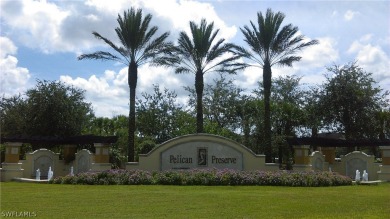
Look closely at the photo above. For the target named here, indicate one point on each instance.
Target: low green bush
(206, 177)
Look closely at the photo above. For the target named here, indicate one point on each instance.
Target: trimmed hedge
(211, 177)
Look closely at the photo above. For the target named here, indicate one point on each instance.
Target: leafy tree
(13, 115)
(145, 146)
(50, 109)
(271, 45)
(312, 111)
(383, 124)
(250, 117)
(158, 114)
(351, 101)
(288, 98)
(220, 103)
(101, 126)
(137, 47)
(288, 115)
(199, 54)
(117, 126)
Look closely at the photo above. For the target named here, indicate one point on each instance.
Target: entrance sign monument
(201, 154)
(196, 151)
(199, 151)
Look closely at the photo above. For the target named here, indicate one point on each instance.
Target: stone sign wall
(201, 154)
(83, 161)
(200, 151)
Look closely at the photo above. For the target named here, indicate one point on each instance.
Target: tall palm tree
(271, 45)
(199, 54)
(137, 47)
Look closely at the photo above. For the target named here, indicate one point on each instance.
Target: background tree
(271, 45)
(13, 115)
(383, 124)
(351, 101)
(117, 126)
(221, 100)
(137, 47)
(50, 109)
(221, 103)
(312, 111)
(251, 119)
(158, 115)
(199, 54)
(287, 98)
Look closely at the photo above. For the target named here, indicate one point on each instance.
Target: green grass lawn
(82, 201)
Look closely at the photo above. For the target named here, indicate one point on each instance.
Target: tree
(287, 113)
(157, 115)
(50, 109)
(383, 124)
(117, 126)
(199, 54)
(137, 47)
(221, 101)
(272, 45)
(351, 101)
(313, 111)
(13, 115)
(250, 117)
(288, 103)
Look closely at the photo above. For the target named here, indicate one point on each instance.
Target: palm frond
(154, 48)
(199, 53)
(112, 45)
(271, 42)
(181, 70)
(227, 65)
(287, 61)
(251, 39)
(100, 55)
(165, 61)
(217, 50)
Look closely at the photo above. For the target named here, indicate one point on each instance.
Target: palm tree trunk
(246, 130)
(132, 81)
(199, 102)
(267, 75)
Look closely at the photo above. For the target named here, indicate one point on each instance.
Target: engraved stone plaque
(201, 155)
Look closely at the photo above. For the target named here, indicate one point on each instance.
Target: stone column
(384, 169)
(11, 168)
(102, 157)
(329, 153)
(69, 152)
(301, 158)
(12, 152)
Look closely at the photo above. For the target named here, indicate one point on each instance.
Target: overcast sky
(42, 39)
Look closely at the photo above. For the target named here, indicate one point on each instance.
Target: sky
(41, 40)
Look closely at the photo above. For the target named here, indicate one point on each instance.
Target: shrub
(206, 177)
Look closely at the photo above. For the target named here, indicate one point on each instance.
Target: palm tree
(199, 55)
(137, 47)
(271, 45)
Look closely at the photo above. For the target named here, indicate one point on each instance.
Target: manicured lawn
(82, 201)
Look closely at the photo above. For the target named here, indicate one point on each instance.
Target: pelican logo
(202, 157)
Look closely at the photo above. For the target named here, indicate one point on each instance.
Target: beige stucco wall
(152, 160)
(43, 159)
(317, 161)
(59, 167)
(357, 160)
